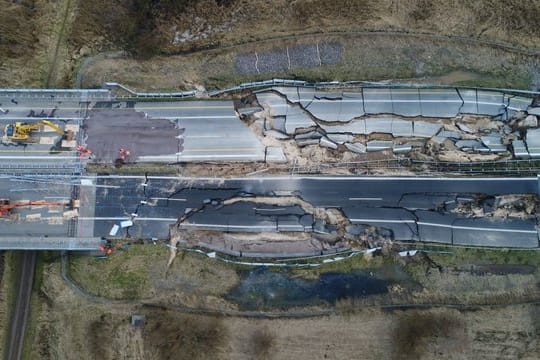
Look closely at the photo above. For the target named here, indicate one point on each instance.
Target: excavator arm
(52, 126)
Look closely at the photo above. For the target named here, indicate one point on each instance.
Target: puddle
(263, 289)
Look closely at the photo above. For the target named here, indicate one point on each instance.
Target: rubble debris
(531, 121)
(340, 138)
(466, 145)
(464, 128)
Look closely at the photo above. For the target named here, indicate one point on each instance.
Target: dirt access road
(14, 349)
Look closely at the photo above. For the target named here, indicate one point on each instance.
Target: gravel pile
(330, 53)
(273, 61)
(245, 64)
(304, 56)
(300, 56)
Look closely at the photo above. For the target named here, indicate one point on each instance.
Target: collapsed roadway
(306, 215)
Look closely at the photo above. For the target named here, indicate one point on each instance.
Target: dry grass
(262, 341)
(146, 28)
(417, 333)
(179, 337)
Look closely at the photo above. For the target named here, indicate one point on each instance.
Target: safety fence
(518, 167)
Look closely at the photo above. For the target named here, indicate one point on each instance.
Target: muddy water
(261, 288)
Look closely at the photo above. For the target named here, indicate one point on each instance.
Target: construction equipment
(6, 205)
(20, 132)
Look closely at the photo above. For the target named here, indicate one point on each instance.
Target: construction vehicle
(21, 132)
(6, 206)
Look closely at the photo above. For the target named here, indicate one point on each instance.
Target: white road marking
(169, 199)
(365, 199)
(384, 221)
(478, 228)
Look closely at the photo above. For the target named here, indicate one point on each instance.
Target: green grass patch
(465, 256)
(124, 275)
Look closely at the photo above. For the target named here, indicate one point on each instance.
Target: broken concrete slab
(379, 125)
(378, 145)
(425, 129)
(491, 140)
(354, 127)
(276, 104)
(465, 128)
(308, 135)
(469, 144)
(532, 140)
(307, 221)
(325, 142)
(275, 154)
(306, 142)
(297, 119)
(356, 147)
(278, 123)
(534, 111)
(276, 134)
(402, 149)
(355, 230)
(340, 138)
(520, 150)
(449, 134)
(402, 128)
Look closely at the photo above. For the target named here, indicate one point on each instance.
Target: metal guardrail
(367, 84)
(181, 94)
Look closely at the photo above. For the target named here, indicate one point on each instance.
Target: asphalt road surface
(409, 207)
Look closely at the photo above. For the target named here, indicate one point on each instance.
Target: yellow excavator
(20, 132)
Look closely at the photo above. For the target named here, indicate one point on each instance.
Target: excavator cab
(10, 130)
